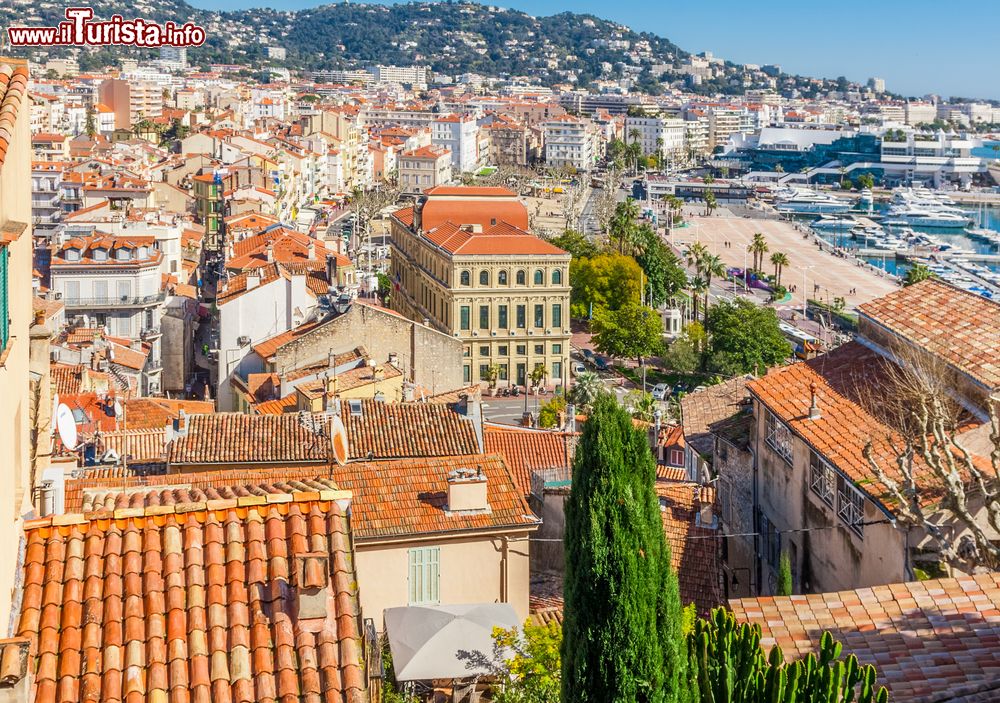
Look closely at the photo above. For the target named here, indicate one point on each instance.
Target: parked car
(601, 363)
(660, 391)
(588, 354)
(578, 368)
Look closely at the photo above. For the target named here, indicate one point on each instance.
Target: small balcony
(124, 301)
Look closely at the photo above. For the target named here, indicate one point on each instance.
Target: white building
(407, 75)
(459, 134)
(423, 168)
(278, 53)
(569, 143)
(663, 137)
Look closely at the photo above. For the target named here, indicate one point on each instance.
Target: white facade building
(663, 137)
(569, 143)
(459, 134)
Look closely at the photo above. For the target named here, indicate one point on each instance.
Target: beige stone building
(21, 408)
(424, 168)
(464, 261)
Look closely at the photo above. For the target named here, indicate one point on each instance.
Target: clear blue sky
(918, 46)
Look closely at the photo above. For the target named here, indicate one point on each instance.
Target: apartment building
(568, 143)
(47, 195)
(18, 407)
(464, 261)
(459, 134)
(424, 168)
(722, 123)
(508, 142)
(817, 498)
(663, 137)
(415, 76)
(131, 100)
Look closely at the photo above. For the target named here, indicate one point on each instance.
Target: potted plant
(538, 375)
(492, 374)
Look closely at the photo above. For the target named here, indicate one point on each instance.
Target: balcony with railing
(124, 301)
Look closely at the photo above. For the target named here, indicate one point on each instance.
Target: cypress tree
(622, 631)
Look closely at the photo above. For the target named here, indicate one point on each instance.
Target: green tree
(758, 247)
(525, 664)
(538, 374)
(587, 388)
(916, 274)
(865, 180)
(623, 635)
(576, 243)
(384, 287)
(682, 355)
(633, 331)
(665, 277)
(779, 260)
(604, 282)
(784, 575)
(744, 338)
(548, 414)
(640, 404)
(711, 267)
(710, 201)
(622, 228)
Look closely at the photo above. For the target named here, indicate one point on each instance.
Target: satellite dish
(118, 408)
(338, 438)
(66, 426)
(55, 411)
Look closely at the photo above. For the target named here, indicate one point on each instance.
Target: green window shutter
(424, 576)
(4, 298)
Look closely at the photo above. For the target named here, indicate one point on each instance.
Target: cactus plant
(728, 665)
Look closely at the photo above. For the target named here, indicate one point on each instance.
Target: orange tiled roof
(198, 602)
(930, 640)
(391, 430)
(390, 498)
(137, 446)
(527, 450)
(844, 427)
(960, 327)
(701, 410)
(155, 413)
(66, 379)
(694, 550)
(498, 240)
(13, 89)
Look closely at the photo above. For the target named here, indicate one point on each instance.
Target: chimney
(408, 392)
(467, 490)
(180, 424)
(570, 418)
(814, 413)
(331, 269)
(253, 280)
(16, 672)
(418, 215)
(311, 250)
(312, 584)
(706, 514)
(270, 252)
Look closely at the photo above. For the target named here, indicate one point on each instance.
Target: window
(557, 315)
(484, 372)
(466, 351)
(520, 317)
(100, 254)
(424, 576)
(779, 437)
(770, 541)
(557, 348)
(850, 505)
(101, 290)
(124, 290)
(503, 372)
(484, 350)
(463, 316)
(676, 457)
(539, 277)
(502, 350)
(521, 349)
(540, 349)
(465, 278)
(484, 317)
(502, 278)
(521, 278)
(4, 299)
(467, 374)
(539, 316)
(556, 369)
(822, 478)
(502, 317)
(484, 278)
(557, 277)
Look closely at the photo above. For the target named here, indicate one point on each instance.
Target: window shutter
(4, 299)
(424, 576)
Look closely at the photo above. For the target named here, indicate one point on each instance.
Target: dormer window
(72, 255)
(100, 254)
(143, 252)
(123, 255)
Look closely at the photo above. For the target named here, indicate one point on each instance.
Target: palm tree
(587, 389)
(710, 203)
(711, 266)
(698, 289)
(696, 254)
(758, 247)
(779, 260)
(634, 135)
(622, 226)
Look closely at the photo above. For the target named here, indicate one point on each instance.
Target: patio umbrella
(442, 641)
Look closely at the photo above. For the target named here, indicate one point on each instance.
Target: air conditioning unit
(58, 295)
(494, 333)
(475, 333)
(243, 341)
(531, 331)
(548, 331)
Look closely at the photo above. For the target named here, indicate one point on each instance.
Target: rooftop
(930, 641)
(195, 604)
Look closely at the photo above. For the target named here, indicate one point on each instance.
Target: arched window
(521, 278)
(465, 278)
(502, 278)
(484, 278)
(557, 277)
(539, 277)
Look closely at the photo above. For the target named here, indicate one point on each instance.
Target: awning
(444, 641)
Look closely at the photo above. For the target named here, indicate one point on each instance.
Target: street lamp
(804, 296)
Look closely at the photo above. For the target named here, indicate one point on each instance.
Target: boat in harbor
(835, 222)
(806, 201)
(926, 217)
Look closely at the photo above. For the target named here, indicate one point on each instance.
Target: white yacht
(835, 222)
(926, 217)
(808, 201)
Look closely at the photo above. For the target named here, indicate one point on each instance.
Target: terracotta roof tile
(705, 407)
(13, 92)
(959, 326)
(197, 604)
(695, 551)
(526, 450)
(930, 641)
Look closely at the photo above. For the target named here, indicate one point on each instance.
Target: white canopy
(442, 641)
